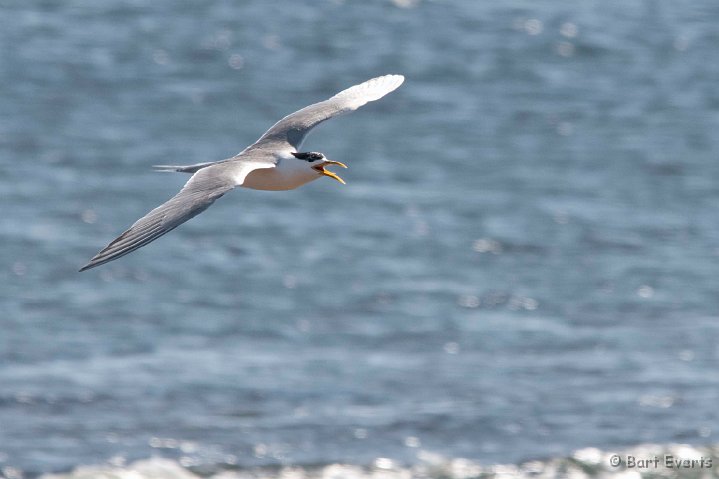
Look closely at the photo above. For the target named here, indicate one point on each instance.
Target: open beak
(321, 170)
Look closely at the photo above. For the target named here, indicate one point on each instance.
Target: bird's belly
(276, 179)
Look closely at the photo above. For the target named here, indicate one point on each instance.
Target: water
(522, 264)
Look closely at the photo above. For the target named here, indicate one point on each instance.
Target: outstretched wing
(196, 196)
(292, 129)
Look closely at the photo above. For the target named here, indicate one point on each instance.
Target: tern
(273, 162)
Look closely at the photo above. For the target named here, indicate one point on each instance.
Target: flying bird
(273, 162)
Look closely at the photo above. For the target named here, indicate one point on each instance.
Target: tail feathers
(182, 169)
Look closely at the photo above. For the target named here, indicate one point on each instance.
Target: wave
(643, 461)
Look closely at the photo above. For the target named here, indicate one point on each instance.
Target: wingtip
(86, 267)
(94, 262)
(395, 77)
(373, 89)
(391, 82)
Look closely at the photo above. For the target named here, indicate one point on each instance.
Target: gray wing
(292, 129)
(196, 196)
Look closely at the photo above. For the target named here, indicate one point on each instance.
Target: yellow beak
(321, 169)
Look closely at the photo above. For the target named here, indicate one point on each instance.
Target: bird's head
(318, 162)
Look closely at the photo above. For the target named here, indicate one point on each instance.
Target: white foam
(583, 464)
(155, 468)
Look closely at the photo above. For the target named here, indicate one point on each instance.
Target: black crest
(309, 156)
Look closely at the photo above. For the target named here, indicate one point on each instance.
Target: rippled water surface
(522, 263)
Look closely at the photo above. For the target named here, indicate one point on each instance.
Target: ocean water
(521, 265)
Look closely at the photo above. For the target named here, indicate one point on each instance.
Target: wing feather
(202, 189)
(293, 128)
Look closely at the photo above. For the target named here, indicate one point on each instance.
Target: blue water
(522, 263)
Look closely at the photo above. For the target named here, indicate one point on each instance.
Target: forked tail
(182, 169)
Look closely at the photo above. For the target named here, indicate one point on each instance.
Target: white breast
(289, 174)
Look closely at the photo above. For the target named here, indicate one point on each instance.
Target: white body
(289, 173)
